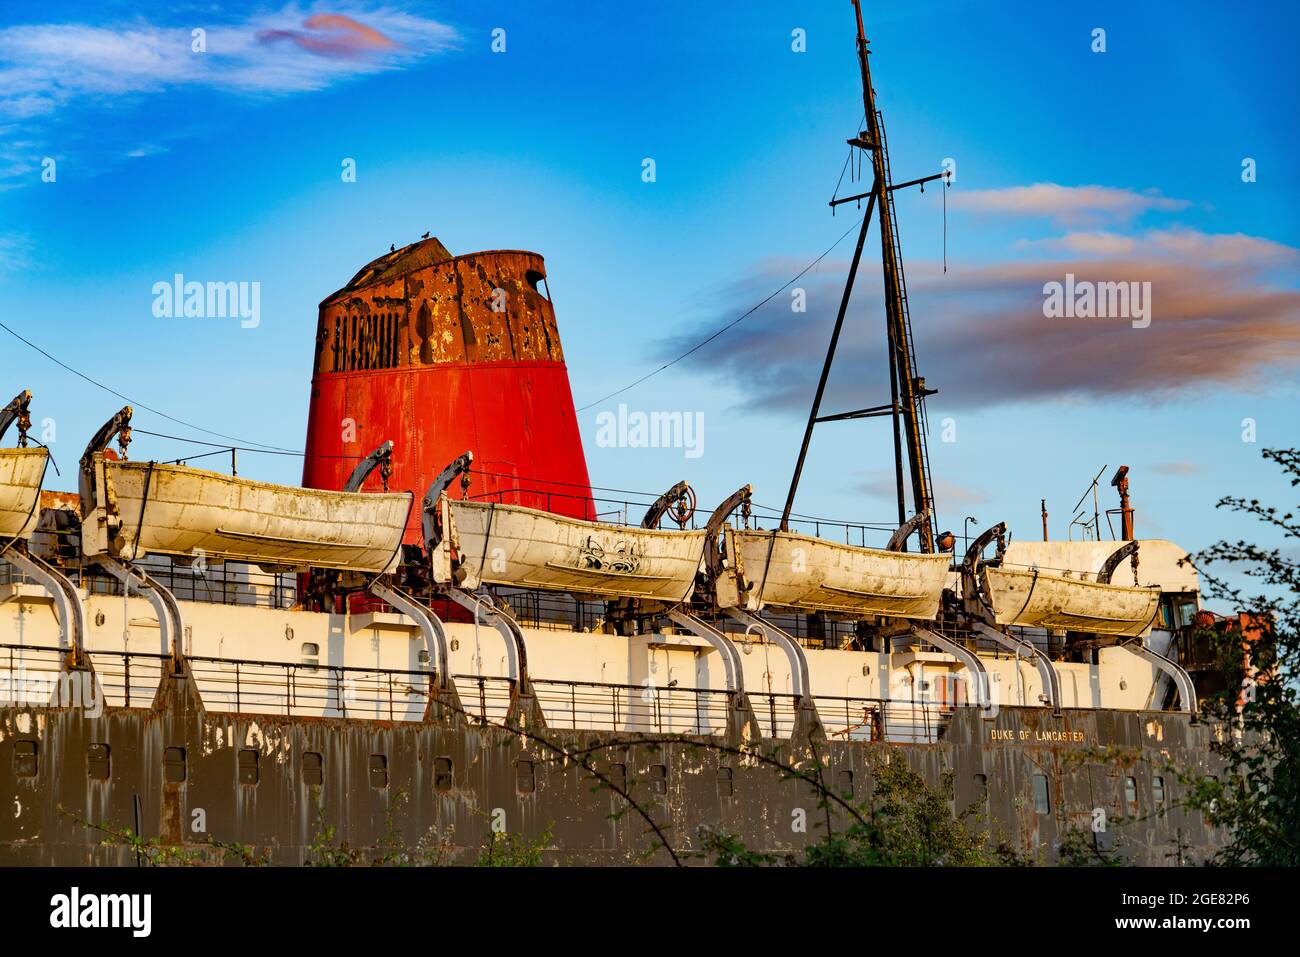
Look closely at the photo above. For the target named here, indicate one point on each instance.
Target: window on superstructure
(313, 769)
(174, 771)
(525, 777)
(98, 766)
(659, 779)
(25, 760)
(725, 782)
(1042, 796)
(442, 774)
(981, 788)
(845, 778)
(378, 771)
(1131, 795)
(248, 766)
(310, 654)
(1158, 791)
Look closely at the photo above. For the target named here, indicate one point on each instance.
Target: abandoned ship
(425, 633)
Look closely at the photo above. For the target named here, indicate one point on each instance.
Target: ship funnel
(440, 354)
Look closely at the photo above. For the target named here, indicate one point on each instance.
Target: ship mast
(907, 389)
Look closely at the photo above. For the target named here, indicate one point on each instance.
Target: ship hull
(251, 779)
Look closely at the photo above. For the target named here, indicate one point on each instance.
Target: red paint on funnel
(444, 355)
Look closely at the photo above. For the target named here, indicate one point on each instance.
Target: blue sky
(1123, 165)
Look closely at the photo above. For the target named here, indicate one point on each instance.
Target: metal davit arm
(430, 523)
(679, 500)
(17, 411)
(1046, 670)
(808, 722)
(712, 555)
(1182, 680)
(904, 531)
(67, 599)
(965, 656)
(167, 609)
(381, 458)
(741, 723)
(523, 706)
(1115, 559)
(718, 639)
(431, 627)
(976, 601)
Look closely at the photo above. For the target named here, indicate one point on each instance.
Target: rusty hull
(251, 779)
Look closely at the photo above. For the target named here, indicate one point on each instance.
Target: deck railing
(294, 689)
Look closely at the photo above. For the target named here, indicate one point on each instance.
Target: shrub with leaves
(1257, 798)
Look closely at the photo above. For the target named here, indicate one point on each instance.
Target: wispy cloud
(55, 75)
(1220, 317)
(1177, 469)
(15, 253)
(1175, 243)
(1066, 205)
(44, 67)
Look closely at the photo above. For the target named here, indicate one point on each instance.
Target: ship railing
(630, 511)
(590, 705)
(29, 674)
(298, 689)
(128, 679)
(294, 689)
(225, 583)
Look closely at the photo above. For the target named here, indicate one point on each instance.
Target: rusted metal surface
(441, 354)
(1038, 600)
(511, 545)
(798, 571)
(21, 473)
(276, 782)
(180, 510)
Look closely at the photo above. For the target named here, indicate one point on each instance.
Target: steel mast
(907, 389)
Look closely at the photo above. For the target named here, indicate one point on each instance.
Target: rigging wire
(848, 165)
(649, 496)
(735, 322)
(134, 402)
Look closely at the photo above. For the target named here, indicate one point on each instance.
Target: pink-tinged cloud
(334, 36)
(1065, 204)
(982, 337)
(1177, 243)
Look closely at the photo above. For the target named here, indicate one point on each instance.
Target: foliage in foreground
(904, 823)
(1257, 798)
